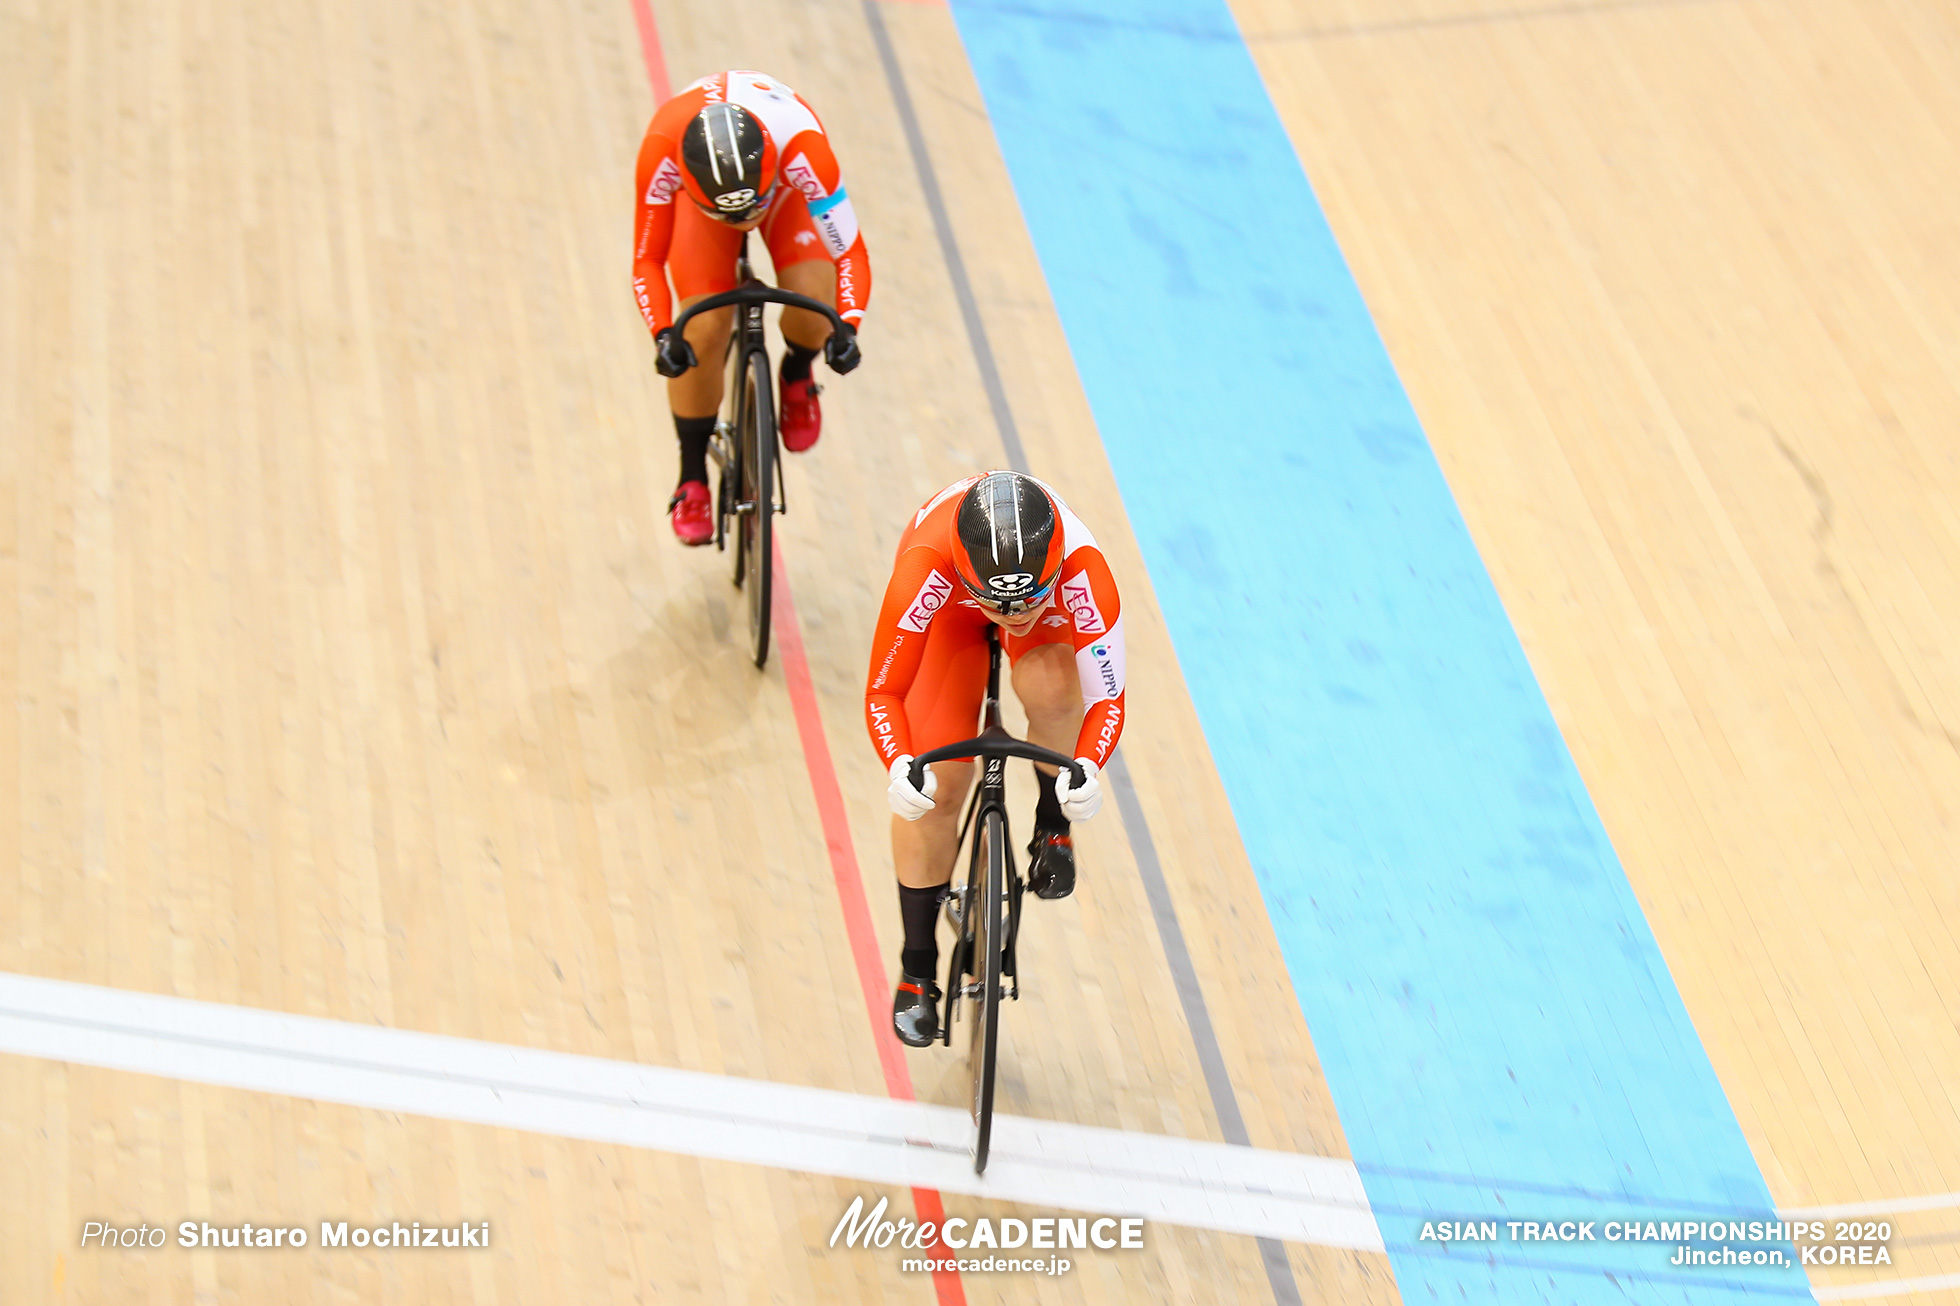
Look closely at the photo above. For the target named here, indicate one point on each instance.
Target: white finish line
(1307, 1199)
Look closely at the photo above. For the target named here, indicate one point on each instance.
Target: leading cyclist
(728, 142)
(999, 548)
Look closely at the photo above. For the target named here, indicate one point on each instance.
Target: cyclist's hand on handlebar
(1084, 800)
(672, 354)
(841, 351)
(907, 801)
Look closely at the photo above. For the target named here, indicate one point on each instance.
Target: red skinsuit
(809, 215)
(929, 660)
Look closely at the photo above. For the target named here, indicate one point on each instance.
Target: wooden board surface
(1671, 286)
(359, 677)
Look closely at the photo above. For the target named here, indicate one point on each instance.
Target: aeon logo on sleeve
(801, 174)
(666, 181)
(931, 597)
(1080, 600)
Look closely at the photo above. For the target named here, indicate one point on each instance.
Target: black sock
(1048, 808)
(796, 361)
(694, 433)
(919, 909)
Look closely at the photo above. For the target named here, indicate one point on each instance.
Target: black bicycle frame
(993, 746)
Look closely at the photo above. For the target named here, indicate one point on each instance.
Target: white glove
(906, 801)
(1083, 801)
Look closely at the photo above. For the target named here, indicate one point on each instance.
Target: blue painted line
(1496, 1023)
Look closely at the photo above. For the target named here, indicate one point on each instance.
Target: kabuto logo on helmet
(1010, 583)
(735, 201)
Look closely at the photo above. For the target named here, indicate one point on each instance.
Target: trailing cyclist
(999, 548)
(729, 143)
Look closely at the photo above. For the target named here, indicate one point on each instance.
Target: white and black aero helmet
(728, 162)
(1007, 545)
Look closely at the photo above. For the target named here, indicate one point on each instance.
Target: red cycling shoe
(801, 421)
(692, 513)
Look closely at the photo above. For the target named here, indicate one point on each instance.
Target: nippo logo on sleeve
(833, 216)
(1100, 667)
(1080, 600)
(931, 597)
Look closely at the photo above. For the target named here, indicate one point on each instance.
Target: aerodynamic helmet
(728, 162)
(1007, 542)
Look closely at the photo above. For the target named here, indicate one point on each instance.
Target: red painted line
(650, 49)
(837, 833)
(830, 798)
(850, 886)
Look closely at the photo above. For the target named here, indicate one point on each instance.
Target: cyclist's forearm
(891, 734)
(1102, 726)
(655, 234)
(650, 292)
(854, 284)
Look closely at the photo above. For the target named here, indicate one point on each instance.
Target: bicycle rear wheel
(758, 520)
(986, 967)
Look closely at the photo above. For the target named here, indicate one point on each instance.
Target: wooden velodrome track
(357, 677)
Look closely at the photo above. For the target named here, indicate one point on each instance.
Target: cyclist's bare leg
(923, 850)
(1050, 692)
(815, 279)
(697, 391)
(1046, 683)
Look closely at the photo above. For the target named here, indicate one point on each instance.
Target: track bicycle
(748, 491)
(986, 910)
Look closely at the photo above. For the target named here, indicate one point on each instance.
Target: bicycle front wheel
(986, 973)
(758, 437)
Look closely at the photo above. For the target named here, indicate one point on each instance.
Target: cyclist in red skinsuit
(999, 548)
(733, 152)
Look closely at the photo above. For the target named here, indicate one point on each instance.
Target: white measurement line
(1042, 1163)
(1890, 1288)
(1884, 1206)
